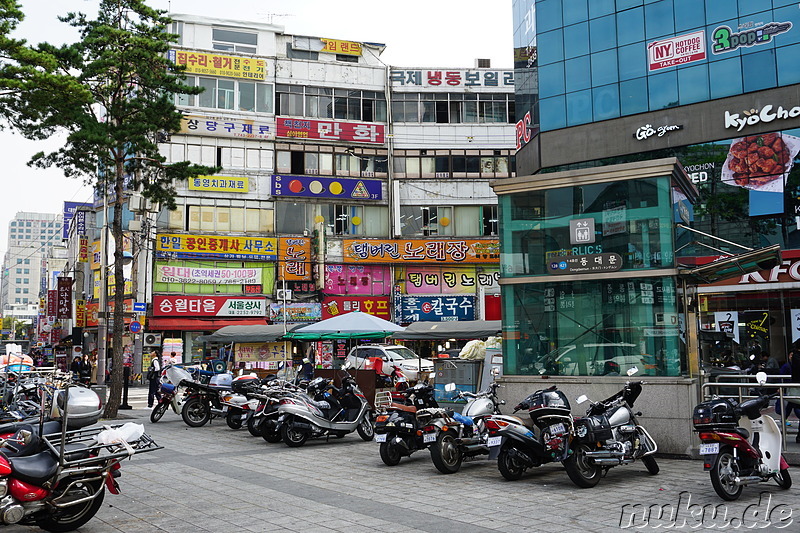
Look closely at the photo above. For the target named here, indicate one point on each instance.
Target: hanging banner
(295, 312)
(251, 352)
(421, 251)
(219, 65)
(64, 309)
(208, 276)
(294, 258)
(52, 303)
(70, 209)
(728, 322)
(80, 313)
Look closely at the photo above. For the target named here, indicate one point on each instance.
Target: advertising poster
(219, 65)
(295, 312)
(209, 126)
(728, 322)
(207, 306)
(208, 276)
(372, 305)
(364, 280)
(255, 352)
(795, 325)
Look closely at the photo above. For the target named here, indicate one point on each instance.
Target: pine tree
(112, 94)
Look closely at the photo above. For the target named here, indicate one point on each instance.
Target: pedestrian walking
(153, 379)
(93, 362)
(791, 367)
(75, 368)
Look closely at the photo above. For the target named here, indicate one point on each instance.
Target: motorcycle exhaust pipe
(607, 461)
(605, 455)
(746, 479)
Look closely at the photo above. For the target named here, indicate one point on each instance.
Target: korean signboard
(329, 130)
(219, 184)
(319, 187)
(422, 251)
(295, 312)
(207, 306)
(372, 305)
(226, 127)
(52, 302)
(435, 308)
(436, 280)
(199, 246)
(80, 313)
(252, 352)
(294, 258)
(248, 68)
(448, 79)
(334, 46)
(70, 209)
(365, 280)
(675, 51)
(208, 276)
(585, 264)
(64, 309)
(83, 249)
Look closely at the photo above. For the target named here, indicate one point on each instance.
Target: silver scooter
(325, 410)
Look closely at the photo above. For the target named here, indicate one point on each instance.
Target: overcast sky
(417, 33)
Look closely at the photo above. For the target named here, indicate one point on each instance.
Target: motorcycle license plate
(429, 437)
(557, 429)
(709, 449)
(380, 438)
(494, 441)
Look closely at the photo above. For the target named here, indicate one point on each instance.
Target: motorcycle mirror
(495, 371)
(582, 398)
(632, 370)
(761, 377)
(450, 387)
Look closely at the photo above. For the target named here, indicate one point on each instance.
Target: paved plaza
(219, 480)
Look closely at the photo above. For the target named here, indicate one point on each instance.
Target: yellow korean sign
(256, 351)
(334, 46)
(220, 65)
(181, 246)
(219, 184)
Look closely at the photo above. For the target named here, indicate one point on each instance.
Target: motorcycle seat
(401, 407)
(467, 421)
(34, 469)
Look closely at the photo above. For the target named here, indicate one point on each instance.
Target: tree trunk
(115, 389)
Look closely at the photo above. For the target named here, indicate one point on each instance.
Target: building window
(425, 220)
(453, 108)
(292, 217)
(18, 280)
(324, 102)
(228, 94)
(27, 261)
(18, 290)
(19, 271)
(293, 53)
(234, 41)
(221, 218)
(345, 219)
(490, 220)
(25, 290)
(346, 58)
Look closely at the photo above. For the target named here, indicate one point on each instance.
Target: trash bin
(100, 390)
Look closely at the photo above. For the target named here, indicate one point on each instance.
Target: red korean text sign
(64, 302)
(329, 130)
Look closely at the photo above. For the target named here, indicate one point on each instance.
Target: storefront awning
(735, 265)
(467, 329)
(259, 333)
(198, 324)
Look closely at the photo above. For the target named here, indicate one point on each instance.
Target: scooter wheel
(723, 472)
(293, 437)
(783, 479)
(158, 411)
(651, 464)
(196, 413)
(390, 453)
(254, 426)
(445, 454)
(508, 466)
(365, 429)
(582, 470)
(234, 418)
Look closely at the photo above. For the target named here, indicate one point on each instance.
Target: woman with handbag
(154, 380)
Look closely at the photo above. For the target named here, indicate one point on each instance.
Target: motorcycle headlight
(581, 431)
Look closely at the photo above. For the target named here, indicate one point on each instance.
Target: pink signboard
(438, 280)
(372, 305)
(330, 130)
(198, 305)
(367, 280)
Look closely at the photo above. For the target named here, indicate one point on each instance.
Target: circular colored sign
(135, 327)
(427, 307)
(315, 187)
(296, 186)
(336, 188)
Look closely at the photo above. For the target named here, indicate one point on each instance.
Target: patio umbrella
(355, 325)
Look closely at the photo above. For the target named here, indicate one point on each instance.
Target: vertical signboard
(64, 309)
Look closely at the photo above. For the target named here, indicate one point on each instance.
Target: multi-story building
(712, 85)
(345, 184)
(30, 235)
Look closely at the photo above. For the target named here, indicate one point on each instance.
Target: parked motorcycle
(172, 393)
(62, 490)
(325, 410)
(264, 421)
(517, 447)
(464, 435)
(202, 402)
(736, 455)
(610, 435)
(238, 406)
(397, 428)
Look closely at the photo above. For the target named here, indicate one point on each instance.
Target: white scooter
(172, 394)
(737, 455)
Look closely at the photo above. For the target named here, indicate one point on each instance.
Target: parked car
(600, 359)
(359, 357)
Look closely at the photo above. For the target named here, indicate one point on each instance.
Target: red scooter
(736, 455)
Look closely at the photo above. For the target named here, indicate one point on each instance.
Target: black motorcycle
(397, 427)
(517, 447)
(201, 403)
(610, 435)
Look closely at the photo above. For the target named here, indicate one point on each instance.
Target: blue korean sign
(435, 308)
(319, 187)
(70, 208)
(140, 307)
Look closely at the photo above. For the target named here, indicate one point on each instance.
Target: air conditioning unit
(283, 294)
(152, 339)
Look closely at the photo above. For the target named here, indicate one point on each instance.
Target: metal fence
(746, 382)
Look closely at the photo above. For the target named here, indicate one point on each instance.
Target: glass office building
(714, 84)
